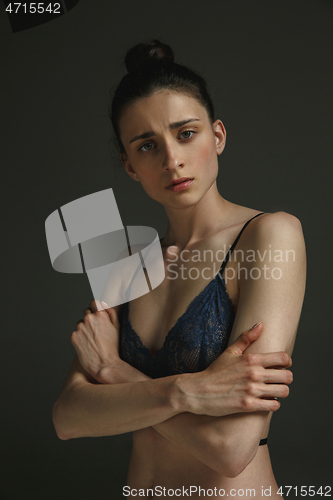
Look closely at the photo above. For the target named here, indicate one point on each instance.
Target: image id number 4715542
(34, 8)
(305, 491)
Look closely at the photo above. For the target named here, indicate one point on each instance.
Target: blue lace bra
(198, 337)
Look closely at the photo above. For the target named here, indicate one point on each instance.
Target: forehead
(157, 111)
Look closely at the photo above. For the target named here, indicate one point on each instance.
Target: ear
(128, 167)
(220, 136)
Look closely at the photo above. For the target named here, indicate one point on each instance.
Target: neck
(191, 224)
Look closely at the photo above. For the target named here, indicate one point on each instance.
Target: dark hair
(151, 67)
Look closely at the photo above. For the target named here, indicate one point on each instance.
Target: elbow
(233, 468)
(60, 422)
(226, 458)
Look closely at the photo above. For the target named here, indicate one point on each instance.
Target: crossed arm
(223, 409)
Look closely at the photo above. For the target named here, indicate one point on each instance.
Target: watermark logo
(189, 264)
(27, 15)
(88, 236)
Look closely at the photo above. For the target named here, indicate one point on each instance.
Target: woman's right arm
(86, 408)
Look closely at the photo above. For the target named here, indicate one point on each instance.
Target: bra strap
(227, 257)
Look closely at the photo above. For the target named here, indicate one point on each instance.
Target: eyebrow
(172, 126)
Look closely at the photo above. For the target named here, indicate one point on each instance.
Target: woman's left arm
(272, 289)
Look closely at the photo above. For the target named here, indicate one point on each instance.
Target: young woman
(161, 366)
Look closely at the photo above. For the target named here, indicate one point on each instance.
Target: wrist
(182, 394)
(111, 373)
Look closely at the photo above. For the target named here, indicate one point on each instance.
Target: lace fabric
(199, 336)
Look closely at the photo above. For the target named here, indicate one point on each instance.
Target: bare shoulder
(280, 219)
(274, 228)
(273, 246)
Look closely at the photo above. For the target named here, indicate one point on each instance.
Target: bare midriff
(156, 463)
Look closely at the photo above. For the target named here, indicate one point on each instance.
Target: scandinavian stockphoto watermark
(249, 264)
(123, 263)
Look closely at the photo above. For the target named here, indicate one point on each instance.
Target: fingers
(93, 306)
(245, 339)
(97, 306)
(277, 377)
(269, 405)
(263, 397)
(86, 311)
(259, 374)
(112, 314)
(250, 404)
(275, 391)
(101, 306)
(114, 317)
(262, 390)
(269, 359)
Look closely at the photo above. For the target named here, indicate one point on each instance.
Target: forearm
(86, 409)
(226, 444)
(199, 435)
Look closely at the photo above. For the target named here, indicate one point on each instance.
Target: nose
(173, 157)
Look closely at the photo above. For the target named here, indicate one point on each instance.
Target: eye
(187, 134)
(147, 146)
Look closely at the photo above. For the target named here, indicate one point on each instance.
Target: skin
(204, 428)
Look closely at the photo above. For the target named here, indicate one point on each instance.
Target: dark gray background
(269, 68)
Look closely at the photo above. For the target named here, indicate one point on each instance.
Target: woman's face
(168, 136)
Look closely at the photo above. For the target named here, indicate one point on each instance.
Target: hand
(96, 340)
(241, 382)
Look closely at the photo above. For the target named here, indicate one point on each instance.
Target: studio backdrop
(268, 65)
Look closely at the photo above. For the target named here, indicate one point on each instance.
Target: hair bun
(146, 53)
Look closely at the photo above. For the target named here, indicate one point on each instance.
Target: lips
(178, 181)
(181, 185)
